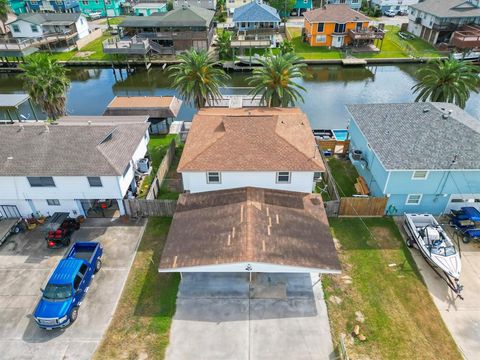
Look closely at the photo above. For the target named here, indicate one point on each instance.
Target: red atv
(60, 230)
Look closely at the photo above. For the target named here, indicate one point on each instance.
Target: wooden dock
(354, 62)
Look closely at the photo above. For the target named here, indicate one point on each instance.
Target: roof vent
(447, 115)
(89, 122)
(10, 158)
(426, 110)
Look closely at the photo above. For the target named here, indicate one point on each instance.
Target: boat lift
(452, 283)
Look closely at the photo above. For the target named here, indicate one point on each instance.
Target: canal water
(329, 88)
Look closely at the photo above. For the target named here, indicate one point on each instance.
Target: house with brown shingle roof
(338, 25)
(271, 148)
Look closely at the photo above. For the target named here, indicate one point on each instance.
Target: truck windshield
(57, 292)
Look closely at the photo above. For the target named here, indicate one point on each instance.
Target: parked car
(402, 12)
(390, 13)
(95, 15)
(60, 228)
(66, 288)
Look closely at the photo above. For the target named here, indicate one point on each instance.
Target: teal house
(113, 7)
(301, 6)
(147, 9)
(424, 157)
(18, 6)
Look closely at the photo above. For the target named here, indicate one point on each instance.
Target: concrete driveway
(25, 265)
(277, 316)
(462, 317)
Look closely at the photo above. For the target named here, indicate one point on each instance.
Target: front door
(337, 41)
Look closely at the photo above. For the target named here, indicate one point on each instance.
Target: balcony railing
(132, 46)
(466, 39)
(366, 34)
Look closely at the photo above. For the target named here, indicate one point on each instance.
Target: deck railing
(366, 34)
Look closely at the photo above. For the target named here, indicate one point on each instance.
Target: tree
(286, 46)
(4, 11)
(197, 77)
(169, 5)
(224, 40)
(284, 7)
(448, 80)
(46, 82)
(275, 80)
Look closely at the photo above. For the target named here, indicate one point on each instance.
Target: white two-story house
(69, 167)
(67, 27)
(271, 148)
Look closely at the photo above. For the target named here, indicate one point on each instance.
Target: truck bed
(6, 225)
(82, 250)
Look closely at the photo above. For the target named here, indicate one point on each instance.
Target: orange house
(330, 25)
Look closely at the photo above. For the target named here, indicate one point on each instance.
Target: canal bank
(328, 89)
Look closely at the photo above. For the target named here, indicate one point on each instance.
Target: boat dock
(354, 62)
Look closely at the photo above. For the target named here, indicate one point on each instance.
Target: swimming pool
(340, 134)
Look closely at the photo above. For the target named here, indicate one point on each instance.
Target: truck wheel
(16, 229)
(409, 243)
(74, 314)
(98, 265)
(466, 239)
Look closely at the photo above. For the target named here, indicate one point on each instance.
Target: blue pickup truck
(68, 285)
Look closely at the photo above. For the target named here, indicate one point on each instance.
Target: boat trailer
(452, 283)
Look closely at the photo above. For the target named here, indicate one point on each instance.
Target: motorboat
(436, 246)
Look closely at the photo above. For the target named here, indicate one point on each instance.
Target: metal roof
(12, 100)
(49, 18)
(420, 136)
(448, 8)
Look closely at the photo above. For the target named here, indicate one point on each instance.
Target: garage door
(458, 201)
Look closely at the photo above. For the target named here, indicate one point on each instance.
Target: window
(317, 175)
(95, 181)
(354, 1)
(339, 28)
(283, 177)
(321, 38)
(15, 28)
(413, 199)
(34, 28)
(97, 1)
(77, 281)
(320, 27)
(419, 175)
(41, 181)
(213, 177)
(85, 2)
(53, 202)
(83, 269)
(59, 2)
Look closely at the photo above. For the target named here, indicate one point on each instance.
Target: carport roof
(285, 230)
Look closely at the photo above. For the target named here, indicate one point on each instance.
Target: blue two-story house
(425, 157)
(68, 6)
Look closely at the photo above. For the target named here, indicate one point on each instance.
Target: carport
(250, 230)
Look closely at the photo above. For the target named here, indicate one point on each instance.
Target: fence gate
(9, 211)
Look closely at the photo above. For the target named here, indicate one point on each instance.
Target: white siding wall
(139, 153)
(15, 190)
(26, 30)
(82, 27)
(197, 181)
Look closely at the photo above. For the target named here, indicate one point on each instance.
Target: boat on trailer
(425, 233)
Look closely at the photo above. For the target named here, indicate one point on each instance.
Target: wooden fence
(142, 208)
(162, 172)
(339, 147)
(362, 206)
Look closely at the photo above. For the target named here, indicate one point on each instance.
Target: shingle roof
(250, 225)
(102, 120)
(417, 136)
(252, 139)
(336, 13)
(256, 12)
(49, 18)
(448, 8)
(68, 150)
(181, 17)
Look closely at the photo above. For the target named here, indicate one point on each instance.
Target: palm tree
(447, 81)
(224, 40)
(46, 82)
(275, 80)
(197, 77)
(4, 11)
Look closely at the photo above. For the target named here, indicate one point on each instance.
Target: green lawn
(157, 147)
(113, 20)
(95, 46)
(308, 52)
(381, 283)
(140, 327)
(345, 175)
